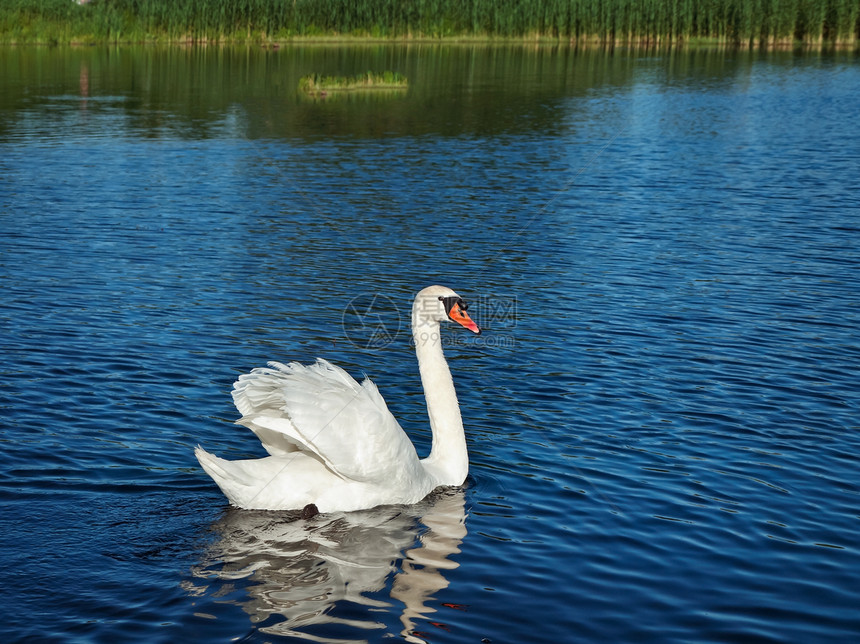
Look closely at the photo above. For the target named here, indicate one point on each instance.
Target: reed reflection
(301, 573)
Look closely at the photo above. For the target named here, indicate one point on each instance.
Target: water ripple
(661, 414)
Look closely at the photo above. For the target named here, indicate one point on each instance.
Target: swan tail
(270, 483)
(219, 469)
(238, 485)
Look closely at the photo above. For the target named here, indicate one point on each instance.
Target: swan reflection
(306, 570)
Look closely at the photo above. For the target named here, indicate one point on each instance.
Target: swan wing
(321, 410)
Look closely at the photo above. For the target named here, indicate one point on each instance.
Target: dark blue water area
(662, 414)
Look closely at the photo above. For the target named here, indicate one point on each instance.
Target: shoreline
(463, 40)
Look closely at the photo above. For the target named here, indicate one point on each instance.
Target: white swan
(333, 442)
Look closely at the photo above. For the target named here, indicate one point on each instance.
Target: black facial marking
(451, 301)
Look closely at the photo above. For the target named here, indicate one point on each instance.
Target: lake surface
(663, 412)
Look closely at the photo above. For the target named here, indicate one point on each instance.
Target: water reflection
(253, 93)
(305, 571)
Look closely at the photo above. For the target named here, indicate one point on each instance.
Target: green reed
(616, 21)
(316, 84)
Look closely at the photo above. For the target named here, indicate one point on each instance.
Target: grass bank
(734, 22)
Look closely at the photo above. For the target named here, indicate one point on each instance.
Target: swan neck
(448, 461)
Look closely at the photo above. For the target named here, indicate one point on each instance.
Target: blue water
(662, 414)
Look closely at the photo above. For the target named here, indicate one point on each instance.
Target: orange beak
(462, 318)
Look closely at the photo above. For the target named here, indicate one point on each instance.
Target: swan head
(436, 304)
